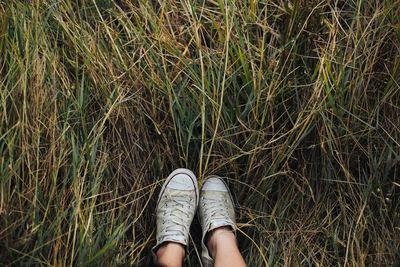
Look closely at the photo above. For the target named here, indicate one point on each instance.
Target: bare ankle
(170, 254)
(220, 237)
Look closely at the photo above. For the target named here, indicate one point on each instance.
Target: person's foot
(176, 206)
(216, 211)
(223, 248)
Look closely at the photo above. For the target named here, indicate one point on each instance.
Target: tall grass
(296, 103)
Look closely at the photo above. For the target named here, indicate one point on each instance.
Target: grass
(296, 103)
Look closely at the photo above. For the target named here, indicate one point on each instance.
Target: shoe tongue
(214, 184)
(181, 182)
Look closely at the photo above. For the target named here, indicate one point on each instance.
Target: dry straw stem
(296, 103)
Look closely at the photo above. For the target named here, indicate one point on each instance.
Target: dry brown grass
(296, 103)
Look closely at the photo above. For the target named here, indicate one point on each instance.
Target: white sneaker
(176, 206)
(215, 210)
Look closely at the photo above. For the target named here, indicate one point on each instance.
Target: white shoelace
(216, 209)
(176, 215)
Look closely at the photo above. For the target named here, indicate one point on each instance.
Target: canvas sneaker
(176, 206)
(215, 210)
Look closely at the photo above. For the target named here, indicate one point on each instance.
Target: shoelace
(215, 208)
(176, 215)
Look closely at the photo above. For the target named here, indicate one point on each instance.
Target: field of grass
(296, 103)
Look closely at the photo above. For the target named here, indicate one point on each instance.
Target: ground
(296, 103)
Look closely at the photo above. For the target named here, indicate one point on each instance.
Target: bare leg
(171, 254)
(223, 248)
